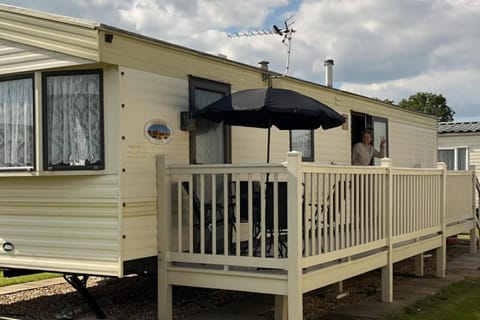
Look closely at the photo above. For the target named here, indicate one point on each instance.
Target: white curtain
(74, 114)
(302, 141)
(16, 123)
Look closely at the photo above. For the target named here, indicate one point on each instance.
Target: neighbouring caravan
(459, 145)
(86, 107)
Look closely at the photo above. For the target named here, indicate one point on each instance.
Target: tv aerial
(286, 33)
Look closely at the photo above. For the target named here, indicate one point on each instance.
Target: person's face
(367, 138)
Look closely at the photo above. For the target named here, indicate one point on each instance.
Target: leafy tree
(429, 103)
(386, 100)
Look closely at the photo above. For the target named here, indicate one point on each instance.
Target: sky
(381, 48)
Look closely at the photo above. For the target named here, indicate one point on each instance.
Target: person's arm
(381, 153)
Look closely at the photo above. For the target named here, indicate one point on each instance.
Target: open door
(378, 125)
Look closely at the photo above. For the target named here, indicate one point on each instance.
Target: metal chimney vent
(328, 72)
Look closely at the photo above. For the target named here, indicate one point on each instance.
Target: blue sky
(382, 48)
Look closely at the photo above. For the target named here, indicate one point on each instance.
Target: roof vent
(328, 72)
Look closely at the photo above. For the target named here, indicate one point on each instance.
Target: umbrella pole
(268, 151)
(268, 145)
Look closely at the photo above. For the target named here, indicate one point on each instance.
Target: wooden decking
(341, 222)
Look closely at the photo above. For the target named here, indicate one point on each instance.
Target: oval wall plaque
(158, 131)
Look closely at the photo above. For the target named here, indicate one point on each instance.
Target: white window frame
(455, 155)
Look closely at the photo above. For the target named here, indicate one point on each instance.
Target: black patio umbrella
(267, 107)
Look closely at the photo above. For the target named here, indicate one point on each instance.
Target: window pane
(209, 134)
(74, 136)
(302, 141)
(16, 124)
(462, 159)
(379, 132)
(447, 156)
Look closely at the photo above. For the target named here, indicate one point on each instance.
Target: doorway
(209, 143)
(378, 125)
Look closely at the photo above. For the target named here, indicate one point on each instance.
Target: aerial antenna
(286, 33)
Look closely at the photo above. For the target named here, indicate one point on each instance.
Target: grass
(457, 301)
(27, 278)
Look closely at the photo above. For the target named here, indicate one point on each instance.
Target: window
(73, 120)
(210, 142)
(455, 158)
(302, 141)
(16, 124)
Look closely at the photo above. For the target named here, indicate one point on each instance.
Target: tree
(429, 103)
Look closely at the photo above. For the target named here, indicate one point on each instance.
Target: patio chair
(256, 218)
(282, 206)
(242, 200)
(209, 219)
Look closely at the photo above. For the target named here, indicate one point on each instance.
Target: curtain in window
(447, 156)
(16, 123)
(209, 135)
(462, 159)
(73, 117)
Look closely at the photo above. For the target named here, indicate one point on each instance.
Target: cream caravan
(87, 107)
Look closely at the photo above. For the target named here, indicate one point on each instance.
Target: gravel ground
(135, 298)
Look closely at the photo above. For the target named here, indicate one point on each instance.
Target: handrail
(341, 207)
(477, 213)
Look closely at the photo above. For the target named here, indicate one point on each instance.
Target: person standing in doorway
(363, 152)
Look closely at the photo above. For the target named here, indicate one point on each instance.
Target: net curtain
(74, 131)
(16, 123)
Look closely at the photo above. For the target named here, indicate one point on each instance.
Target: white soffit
(16, 57)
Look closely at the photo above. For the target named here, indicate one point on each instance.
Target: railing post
(473, 231)
(441, 253)
(295, 293)
(165, 311)
(387, 271)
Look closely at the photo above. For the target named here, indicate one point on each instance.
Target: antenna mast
(286, 33)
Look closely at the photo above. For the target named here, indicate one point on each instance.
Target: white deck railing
(234, 217)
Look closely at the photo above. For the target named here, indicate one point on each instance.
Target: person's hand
(382, 142)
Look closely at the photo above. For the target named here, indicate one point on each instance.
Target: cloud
(381, 48)
(446, 83)
(384, 40)
(184, 18)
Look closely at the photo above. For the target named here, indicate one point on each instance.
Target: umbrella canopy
(266, 107)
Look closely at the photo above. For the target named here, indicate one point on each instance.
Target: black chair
(242, 201)
(209, 218)
(269, 214)
(282, 207)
